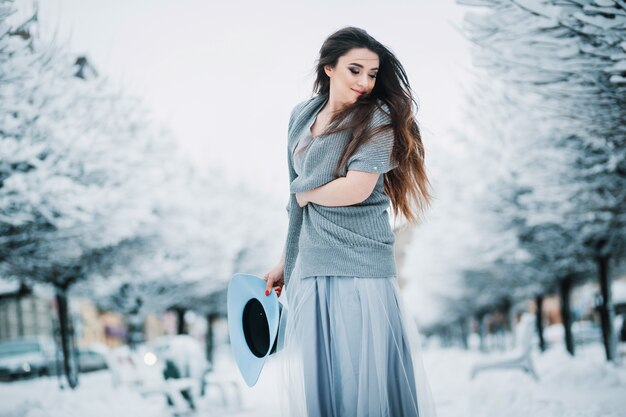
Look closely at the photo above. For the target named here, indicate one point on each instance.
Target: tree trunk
(180, 320)
(448, 336)
(20, 316)
(539, 322)
(135, 330)
(481, 332)
(509, 314)
(70, 367)
(210, 342)
(464, 333)
(607, 312)
(566, 314)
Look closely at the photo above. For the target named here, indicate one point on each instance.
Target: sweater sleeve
(292, 119)
(375, 154)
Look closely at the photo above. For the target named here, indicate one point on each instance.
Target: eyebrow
(359, 65)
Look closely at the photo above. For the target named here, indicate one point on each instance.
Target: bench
(212, 379)
(179, 388)
(520, 357)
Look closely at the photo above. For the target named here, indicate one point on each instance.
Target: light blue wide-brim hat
(253, 323)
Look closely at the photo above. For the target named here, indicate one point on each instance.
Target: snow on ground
(584, 385)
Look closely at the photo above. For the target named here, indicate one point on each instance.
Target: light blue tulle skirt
(350, 350)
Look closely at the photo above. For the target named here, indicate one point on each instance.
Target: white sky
(224, 76)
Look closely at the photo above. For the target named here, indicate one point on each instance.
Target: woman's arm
(276, 276)
(354, 188)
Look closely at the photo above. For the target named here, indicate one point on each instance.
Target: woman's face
(354, 75)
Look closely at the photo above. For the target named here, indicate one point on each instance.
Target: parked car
(91, 359)
(583, 332)
(27, 357)
(586, 332)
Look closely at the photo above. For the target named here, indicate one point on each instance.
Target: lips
(359, 93)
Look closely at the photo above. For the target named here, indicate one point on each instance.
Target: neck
(333, 105)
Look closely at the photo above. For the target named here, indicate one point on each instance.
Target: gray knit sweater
(354, 240)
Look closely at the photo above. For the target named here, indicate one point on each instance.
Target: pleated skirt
(350, 350)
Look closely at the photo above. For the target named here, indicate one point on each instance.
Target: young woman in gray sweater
(354, 148)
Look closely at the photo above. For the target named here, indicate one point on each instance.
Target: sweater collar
(306, 115)
(314, 106)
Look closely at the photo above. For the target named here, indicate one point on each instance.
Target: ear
(328, 70)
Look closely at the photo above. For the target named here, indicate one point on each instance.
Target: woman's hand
(301, 199)
(275, 279)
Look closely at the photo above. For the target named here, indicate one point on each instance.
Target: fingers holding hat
(274, 280)
(270, 283)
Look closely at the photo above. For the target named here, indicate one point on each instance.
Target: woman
(353, 148)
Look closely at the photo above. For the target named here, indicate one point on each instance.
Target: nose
(363, 81)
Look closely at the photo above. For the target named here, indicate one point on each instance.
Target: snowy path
(581, 386)
(584, 386)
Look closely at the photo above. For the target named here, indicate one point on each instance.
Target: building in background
(24, 310)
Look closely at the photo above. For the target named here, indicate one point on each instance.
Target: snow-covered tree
(208, 229)
(79, 166)
(571, 54)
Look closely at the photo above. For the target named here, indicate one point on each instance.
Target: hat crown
(255, 328)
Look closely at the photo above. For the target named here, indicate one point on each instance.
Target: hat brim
(241, 289)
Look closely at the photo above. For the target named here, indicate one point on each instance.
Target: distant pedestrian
(171, 371)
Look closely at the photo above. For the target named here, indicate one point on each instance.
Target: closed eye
(355, 72)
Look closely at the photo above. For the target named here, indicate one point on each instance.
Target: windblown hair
(407, 185)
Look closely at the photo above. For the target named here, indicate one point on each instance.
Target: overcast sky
(224, 76)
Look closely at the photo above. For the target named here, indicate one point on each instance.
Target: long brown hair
(407, 185)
